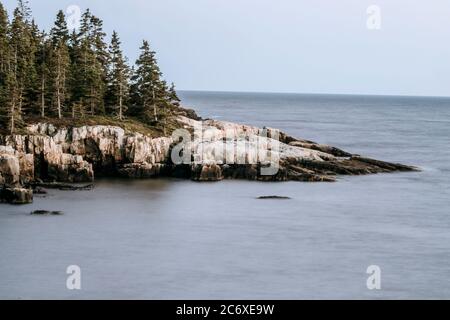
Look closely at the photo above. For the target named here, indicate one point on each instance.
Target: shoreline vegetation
(71, 108)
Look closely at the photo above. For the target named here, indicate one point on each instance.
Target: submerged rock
(273, 197)
(39, 190)
(45, 212)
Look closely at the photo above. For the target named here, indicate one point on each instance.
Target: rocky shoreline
(49, 154)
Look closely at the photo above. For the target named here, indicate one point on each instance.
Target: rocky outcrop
(44, 157)
(74, 154)
(236, 150)
(15, 169)
(218, 150)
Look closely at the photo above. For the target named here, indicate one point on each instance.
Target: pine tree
(173, 96)
(149, 89)
(4, 66)
(24, 7)
(92, 61)
(118, 78)
(32, 86)
(14, 74)
(81, 57)
(76, 80)
(38, 71)
(59, 32)
(99, 45)
(60, 62)
(100, 68)
(43, 66)
(4, 52)
(12, 115)
(20, 64)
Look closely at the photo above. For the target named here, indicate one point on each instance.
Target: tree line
(74, 74)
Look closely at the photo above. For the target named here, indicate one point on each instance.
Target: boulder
(141, 170)
(206, 172)
(16, 195)
(46, 213)
(9, 170)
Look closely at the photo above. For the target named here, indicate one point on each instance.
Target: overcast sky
(306, 46)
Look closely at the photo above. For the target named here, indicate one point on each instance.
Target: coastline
(70, 154)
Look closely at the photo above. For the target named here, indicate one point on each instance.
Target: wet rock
(9, 170)
(62, 186)
(16, 195)
(70, 168)
(206, 172)
(39, 190)
(46, 213)
(273, 197)
(141, 170)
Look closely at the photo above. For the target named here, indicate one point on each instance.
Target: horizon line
(317, 93)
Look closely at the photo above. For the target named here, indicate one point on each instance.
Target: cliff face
(218, 150)
(16, 169)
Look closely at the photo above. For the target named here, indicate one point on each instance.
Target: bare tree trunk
(43, 97)
(19, 108)
(92, 101)
(12, 111)
(120, 103)
(154, 106)
(58, 97)
(63, 85)
(58, 86)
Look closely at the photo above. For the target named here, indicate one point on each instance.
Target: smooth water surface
(175, 239)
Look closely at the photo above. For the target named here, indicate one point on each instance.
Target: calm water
(180, 239)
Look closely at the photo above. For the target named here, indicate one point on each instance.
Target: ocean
(176, 239)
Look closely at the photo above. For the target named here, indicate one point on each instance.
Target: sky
(398, 47)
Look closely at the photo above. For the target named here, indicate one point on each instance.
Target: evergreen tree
(4, 66)
(4, 52)
(92, 61)
(76, 81)
(45, 73)
(99, 45)
(43, 66)
(24, 7)
(173, 96)
(118, 78)
(99, 70)
(149, 89)
(20, 64)
(32, 86)
(60, 63)
(59, 32)
(81, 56)
(12, 113)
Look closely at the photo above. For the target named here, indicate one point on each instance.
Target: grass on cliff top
(164, 127)
(129, 124)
